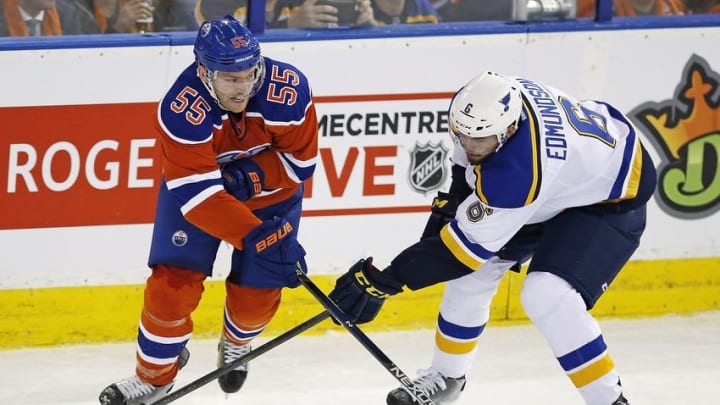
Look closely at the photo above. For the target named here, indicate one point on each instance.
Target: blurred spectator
(79, 17)
(59, 17)
(120, 16)
(474, 10)
(632, 8)
(175, 15)
(102, 16)
(23, 18)
(276, 11)
(404, 12)
(327, 14)
(703, 6)
(284, 13)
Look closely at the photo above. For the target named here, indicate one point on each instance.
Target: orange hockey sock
(247, 311)
(171, 295)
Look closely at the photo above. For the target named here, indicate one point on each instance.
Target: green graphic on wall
(686, 133)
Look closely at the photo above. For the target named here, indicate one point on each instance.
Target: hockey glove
(361, 292)
(271, 251)
(443, 210)
(242, 178)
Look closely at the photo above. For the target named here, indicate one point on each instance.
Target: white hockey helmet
(486, 106)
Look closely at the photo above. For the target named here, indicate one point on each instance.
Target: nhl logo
(427, 167)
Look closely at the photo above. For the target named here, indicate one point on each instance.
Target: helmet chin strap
(503, 137)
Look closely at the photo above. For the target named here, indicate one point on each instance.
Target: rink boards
(81, 164)
(52, 316)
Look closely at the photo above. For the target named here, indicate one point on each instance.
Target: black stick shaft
(364, 340)
(215, 374)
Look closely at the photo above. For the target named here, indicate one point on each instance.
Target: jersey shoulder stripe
(627, 182)
(188, 113)
(285, 96)
(297, 170)
(511, 178)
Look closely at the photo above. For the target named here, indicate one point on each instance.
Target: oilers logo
(205, 29)
(179, 238)
(229, 156)
(427, 167)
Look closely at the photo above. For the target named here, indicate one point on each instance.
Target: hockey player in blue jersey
(238, 132)
(536, 174)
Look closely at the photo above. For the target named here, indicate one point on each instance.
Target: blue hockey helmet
(226, 45)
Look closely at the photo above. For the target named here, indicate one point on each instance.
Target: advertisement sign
(80, 158)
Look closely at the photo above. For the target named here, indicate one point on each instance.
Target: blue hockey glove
(271, 251)
(242, 178)
(443, 210)
(361, 292)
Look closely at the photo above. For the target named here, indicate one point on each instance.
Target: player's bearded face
(477, 149)
(233, 89)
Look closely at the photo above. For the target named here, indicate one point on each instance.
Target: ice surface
(662, 361)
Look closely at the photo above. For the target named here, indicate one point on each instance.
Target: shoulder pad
(188, 113)
(512, 177)
(284, 96)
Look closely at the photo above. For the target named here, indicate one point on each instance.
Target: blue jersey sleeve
(188, 113)
(284, 97)
(511, 178)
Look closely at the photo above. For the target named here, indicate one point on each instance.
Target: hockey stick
(266, 347)
(361, 337)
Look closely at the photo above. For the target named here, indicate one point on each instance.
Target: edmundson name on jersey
(552, 119)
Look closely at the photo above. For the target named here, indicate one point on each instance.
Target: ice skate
(621, 401)
(442, 390)
(227, 353)
(134, 391)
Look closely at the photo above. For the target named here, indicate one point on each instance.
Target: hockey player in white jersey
(536, 174)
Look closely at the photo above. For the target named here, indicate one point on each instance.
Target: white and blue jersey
(566, 153)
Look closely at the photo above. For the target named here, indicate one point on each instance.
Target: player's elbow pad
(426, 263)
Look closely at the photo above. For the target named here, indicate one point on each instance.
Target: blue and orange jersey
(277, 130)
